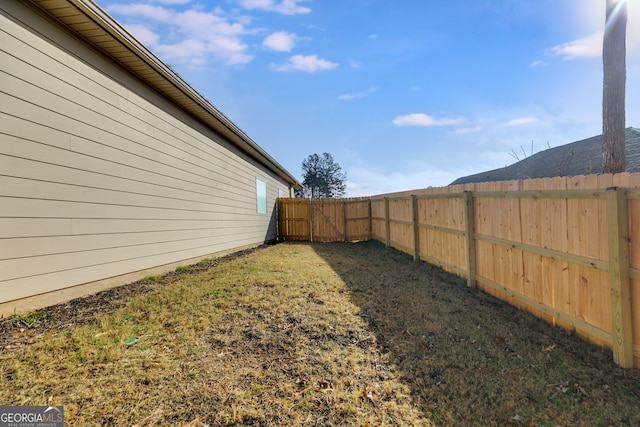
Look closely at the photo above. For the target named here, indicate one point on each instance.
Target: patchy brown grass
(309, 334)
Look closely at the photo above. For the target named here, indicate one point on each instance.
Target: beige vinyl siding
(101, 176)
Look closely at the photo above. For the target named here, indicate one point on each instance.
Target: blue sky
(404, 94)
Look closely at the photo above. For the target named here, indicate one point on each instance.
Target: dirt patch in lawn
(309, 334)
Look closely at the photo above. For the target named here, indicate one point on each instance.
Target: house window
(261, 196)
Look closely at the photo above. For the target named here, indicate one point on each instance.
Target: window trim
(261, 196)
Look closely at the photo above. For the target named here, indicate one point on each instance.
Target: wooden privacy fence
(324, 220)
(554, 247)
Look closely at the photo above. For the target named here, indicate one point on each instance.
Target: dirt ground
(310, 334)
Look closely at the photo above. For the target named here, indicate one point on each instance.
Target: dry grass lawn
(309, 334)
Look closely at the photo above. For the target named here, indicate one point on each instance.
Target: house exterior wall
(100, 176)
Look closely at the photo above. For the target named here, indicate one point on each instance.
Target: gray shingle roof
(577, 158)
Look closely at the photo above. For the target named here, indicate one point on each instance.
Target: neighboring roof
(89, 21)
(577, 158)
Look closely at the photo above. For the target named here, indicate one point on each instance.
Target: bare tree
(613, 90)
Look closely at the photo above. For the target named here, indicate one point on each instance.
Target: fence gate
(324, 220)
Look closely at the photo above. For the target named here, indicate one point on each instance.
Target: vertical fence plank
(387, 222)
(617, 223)
(416, 228)
(469, 231)
(344, 221)
(370, 219)
(311, 220)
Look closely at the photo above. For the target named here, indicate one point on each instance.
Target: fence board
(400, 224)
(378, 219)
(357, 220)
(619, 277)
(293, 219)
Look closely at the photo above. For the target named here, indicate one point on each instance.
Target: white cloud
(280, 41)
(357, 95)
(419, 119)
(464, 131)
(306, 63)
(155, 13)
(144, 34)
(284, 7)
(539, 64)
(590, 14)
(190, 36)
(172, 1)
(522, 121)
(585, 47)
(196, 52)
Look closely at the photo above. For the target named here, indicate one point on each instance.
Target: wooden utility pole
(613, 90)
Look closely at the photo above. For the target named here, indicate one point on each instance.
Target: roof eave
(191, 101)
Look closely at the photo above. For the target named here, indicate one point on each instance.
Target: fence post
(618, 230)
(416, 228)
(387, 223)
(469, 233)
(370, 219)
(344, 221)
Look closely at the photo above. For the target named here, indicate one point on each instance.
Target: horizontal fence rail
(565, 249)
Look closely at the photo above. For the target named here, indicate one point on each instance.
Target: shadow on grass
(471, 359)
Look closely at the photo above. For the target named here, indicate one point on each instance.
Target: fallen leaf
(548, 349)
(130, 341)
(369, 395)
(150, 365)
(515, 420)
(581, 391)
